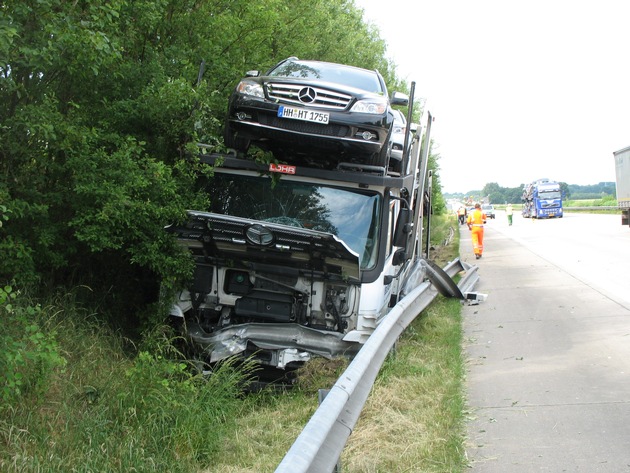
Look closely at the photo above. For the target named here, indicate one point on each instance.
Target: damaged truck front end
(279, 269)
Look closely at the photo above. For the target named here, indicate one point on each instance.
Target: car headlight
(375, 107)
(248, 87)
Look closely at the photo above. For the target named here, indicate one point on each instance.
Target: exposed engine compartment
(220, 297)
(279, 303)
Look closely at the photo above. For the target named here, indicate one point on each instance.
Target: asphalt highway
(548, 351)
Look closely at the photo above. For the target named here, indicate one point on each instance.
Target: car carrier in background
(542, 199)
(622, 175)
(294, 261)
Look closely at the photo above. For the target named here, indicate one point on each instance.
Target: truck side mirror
(403, 227)
(400, 256)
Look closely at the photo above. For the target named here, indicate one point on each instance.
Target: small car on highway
(321, 111)
(488, 209)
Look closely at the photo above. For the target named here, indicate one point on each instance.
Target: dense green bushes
(72, 401)
(29, 349)
(102, 100)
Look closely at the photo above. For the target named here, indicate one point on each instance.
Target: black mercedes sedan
(321, 112)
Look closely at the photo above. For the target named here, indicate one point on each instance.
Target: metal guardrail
(319, 445)
(602, 207)
(568, 209)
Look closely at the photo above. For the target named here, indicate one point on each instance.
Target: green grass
(101, 410)
(591, 206)
(444, 239)
(414, 418)
(88, 401)
(606, 201)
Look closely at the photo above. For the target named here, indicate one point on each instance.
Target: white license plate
(302, 114)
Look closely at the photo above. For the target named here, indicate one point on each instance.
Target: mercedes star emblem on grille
(307, 95)
(259, 235)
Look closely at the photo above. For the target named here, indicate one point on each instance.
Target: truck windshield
(350, 214)
(549, 194)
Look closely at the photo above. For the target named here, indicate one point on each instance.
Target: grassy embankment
(591, 206)
(77, 398)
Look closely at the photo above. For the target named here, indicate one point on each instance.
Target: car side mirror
(398, 98)
(252, 73)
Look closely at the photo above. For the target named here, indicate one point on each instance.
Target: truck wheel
(232, 140)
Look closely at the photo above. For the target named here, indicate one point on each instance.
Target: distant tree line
(594, 191)
(503, 195)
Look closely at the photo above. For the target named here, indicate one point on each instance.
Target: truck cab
(542, 199)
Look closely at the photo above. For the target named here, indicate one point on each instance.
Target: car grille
(290, 93)
(302, 127)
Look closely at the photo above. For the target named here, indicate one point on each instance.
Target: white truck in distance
(622, 175)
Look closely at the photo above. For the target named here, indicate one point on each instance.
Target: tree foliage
(499, 195)
(102, 99)
(601, 190)
(493, 192)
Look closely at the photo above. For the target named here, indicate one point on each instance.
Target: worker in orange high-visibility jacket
(476, 220)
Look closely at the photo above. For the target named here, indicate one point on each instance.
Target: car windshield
(353, 216)
(329, 72)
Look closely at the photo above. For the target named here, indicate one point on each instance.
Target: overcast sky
(520, 90)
